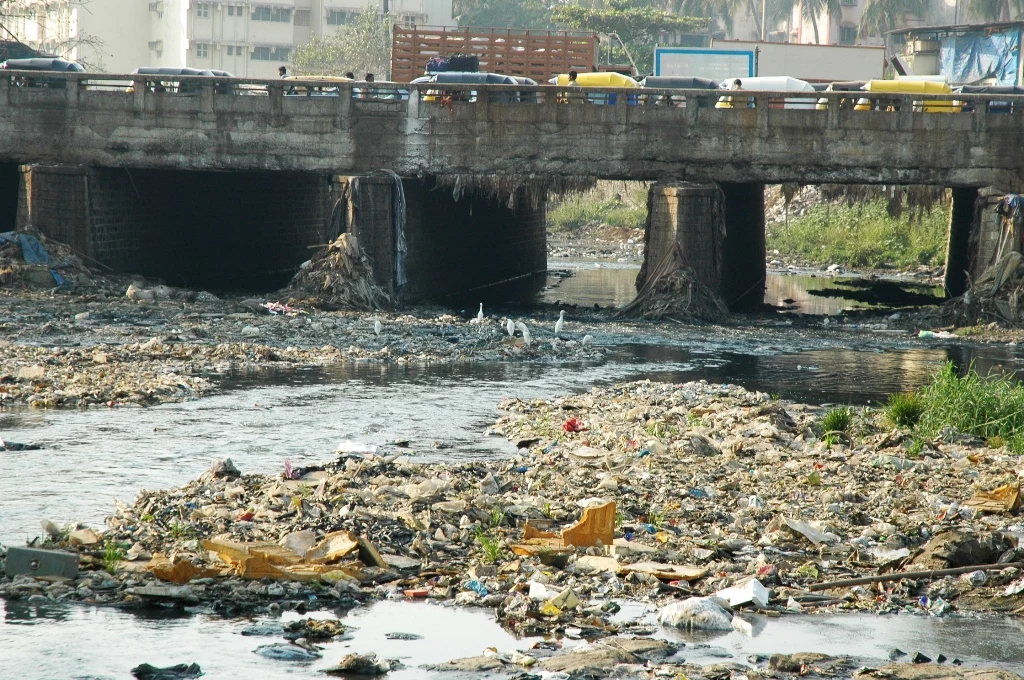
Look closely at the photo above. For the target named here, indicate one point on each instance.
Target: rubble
(671, 290)
(338, 277)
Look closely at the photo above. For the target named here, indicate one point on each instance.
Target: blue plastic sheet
(972, 58)
(32, 250)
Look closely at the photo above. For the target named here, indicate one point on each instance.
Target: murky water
(92, 456)
(78, 640)
(611, 283)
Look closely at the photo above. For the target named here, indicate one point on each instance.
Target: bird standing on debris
(480, 314)
(527, 339)
(560, 323)
(377, 325)
(510, 326)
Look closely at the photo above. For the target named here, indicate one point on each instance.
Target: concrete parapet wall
(496, 133)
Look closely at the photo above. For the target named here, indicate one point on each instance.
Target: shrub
(905, 409)
(990, 407)
(838, 419)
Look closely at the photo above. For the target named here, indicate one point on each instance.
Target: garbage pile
(672, 291)
(643, 491)
(338, 277)
(997, 295)
(29, 259)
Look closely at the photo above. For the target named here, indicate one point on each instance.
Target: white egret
(588, 340)
(560, 323)
(527, 339)
(510, 326)
(480, 314)
(377, 325)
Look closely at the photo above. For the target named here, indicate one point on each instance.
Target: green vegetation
(504, 14)
(497, 516)
(862, 235)
(362, 46)
(492, 548)
(601, 205)
(180, 530)
(113, 552)
(905, 409)
(990, 407)
(837, 421)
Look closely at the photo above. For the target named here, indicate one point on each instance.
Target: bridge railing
(201, 93)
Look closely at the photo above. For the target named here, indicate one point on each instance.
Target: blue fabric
(974, 57)
(33, 251)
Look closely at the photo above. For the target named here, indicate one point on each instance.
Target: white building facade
(248, 38)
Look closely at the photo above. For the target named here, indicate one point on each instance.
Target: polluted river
(445, 413)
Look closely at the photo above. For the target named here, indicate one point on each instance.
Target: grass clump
(990, 407)
(837, 421)
(492, 548)
(862, 235)
(113, 553)
(904, 410)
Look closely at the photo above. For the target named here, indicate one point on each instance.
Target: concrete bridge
(256, 126)
(109, 152)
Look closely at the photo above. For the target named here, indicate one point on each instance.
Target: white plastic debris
(698, 613)
(748, 592)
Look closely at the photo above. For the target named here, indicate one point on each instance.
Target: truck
(744, 59)
(535, 54)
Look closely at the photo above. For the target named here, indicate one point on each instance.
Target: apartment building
(248, 38)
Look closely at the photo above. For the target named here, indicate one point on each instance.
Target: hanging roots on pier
(513, 190)
(672, 291)
(338, 277)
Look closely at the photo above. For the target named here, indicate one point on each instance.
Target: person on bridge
(367, 92)
(282, 71)
(350, 75)
(576, 95)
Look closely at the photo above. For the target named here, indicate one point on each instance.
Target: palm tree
(995, 10)
(717, 9)
(881, 16)
(810, 10)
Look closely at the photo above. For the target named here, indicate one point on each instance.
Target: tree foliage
(363, 46)
(886, 15)
(810, 10)
(633, 20)
(534, 14)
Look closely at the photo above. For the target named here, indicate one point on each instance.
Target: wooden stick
(881, 578)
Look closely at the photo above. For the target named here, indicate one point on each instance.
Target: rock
(84, 537)
(250, 331)
(31, 373)
(223, 469)
(137, 293)
(584, 663)
(795, 663)
(934, 672)
(285, 652)
(359, 664)
(403, 636)
(470, 665)
(697, 613)
(178, 672)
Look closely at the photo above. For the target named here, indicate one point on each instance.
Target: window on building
(278, 14)
(302, 17)
(337, 17)
(203, 10)
(202, 50)
(410, 20)
(270, 53)
(847, 35)
(231, 10)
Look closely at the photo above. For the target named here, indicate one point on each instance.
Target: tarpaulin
(974, 57)
(32, 250)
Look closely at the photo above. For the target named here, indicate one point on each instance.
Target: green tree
(810, 10)
(636, 23)
(363, 46)
(504, 14)
(721, 10)
(995, 10)
(881, 16)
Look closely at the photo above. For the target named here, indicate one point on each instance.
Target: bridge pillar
(691, 215)
(452, 247)
(743, 253)
(961, 224)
